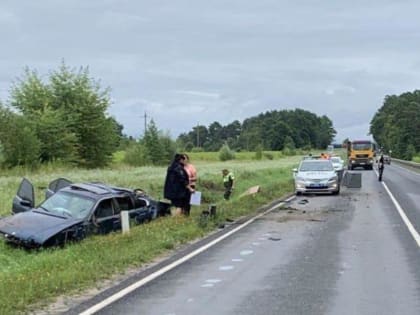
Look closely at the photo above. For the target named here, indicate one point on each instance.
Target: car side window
(124, 203)
(104, 209)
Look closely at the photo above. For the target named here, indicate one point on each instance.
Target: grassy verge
(26, 278)
(416, 159)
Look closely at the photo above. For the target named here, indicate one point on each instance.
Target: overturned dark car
(71, 212)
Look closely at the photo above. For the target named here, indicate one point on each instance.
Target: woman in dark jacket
(177, 188)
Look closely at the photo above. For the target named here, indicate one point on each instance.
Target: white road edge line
(404, 217)
(97, 307)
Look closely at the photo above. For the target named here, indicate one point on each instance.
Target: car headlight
(333, 179)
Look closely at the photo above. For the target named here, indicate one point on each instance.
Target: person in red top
(191, 171)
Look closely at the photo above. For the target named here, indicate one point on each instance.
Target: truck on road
(360, 153)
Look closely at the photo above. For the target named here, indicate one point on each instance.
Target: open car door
(25, 197)
(56, 185)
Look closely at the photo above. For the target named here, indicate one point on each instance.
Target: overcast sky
(188, 62)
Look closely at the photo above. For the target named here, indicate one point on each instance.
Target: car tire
(298, 193)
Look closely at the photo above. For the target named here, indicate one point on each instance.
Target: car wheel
(298, 193)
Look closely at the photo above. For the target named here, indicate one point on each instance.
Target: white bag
(195, 199)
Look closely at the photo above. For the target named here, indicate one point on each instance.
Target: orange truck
(360, 153)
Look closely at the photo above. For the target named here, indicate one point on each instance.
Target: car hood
(36, 226)
(316, 175)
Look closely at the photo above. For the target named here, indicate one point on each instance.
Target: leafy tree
(198, 137)
(410, 152)
(225, 153)
(85, 105)
(289, 146)
(327, 132)
(69, 115)
(57, 142)
(20, 145)
(259, 152)
(396, 125)
(135, 155)
(29, 95)
(152, 144)
(215, 137)
(169, 147)
(159, 148)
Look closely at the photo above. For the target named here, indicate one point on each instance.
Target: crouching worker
(177, 188)
(228, 183)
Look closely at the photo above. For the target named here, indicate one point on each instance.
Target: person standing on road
(381, 167)
(177, 187)
(228, 183)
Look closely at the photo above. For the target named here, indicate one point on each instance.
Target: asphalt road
(346, 254)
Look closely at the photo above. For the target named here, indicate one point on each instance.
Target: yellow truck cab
(360, 153)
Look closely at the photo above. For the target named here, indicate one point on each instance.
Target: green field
(34, 278)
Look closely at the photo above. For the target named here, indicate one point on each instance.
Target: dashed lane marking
(226, 268)
(115, 297)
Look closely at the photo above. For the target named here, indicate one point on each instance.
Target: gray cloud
(187, 62)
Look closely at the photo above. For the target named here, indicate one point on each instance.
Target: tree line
(63, 117)
(396, 125)
(272, 130)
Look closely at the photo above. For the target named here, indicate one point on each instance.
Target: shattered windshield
(68, 204)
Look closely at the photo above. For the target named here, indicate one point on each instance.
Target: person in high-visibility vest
(228, 183)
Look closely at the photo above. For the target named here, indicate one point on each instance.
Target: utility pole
(145, 122)
(198, 137)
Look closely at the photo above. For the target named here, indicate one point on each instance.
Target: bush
(268, 156)
(289, 151)
(226, 154)
(410, 152)
(135, 155)
(258, 152)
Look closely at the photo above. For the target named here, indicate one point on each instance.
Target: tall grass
(28, 278)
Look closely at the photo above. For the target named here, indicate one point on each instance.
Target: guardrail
(407, 163)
